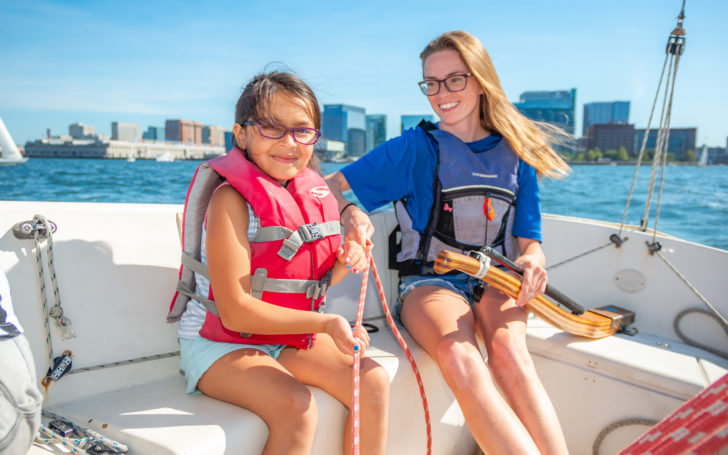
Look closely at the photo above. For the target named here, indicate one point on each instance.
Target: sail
(9, 152)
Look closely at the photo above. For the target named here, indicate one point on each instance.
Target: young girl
(271, 242)
(483, 157)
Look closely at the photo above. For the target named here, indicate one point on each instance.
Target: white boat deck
(117, 265)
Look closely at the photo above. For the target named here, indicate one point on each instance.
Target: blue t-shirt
(405, 167)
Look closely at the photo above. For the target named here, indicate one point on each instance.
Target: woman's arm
(228, 261)
(533, 261)
(357, 225)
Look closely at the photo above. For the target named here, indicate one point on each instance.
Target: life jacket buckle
(310, 232)
(319, 289)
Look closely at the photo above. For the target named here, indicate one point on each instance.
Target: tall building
(376, 130)
(154, 133)
(411, 121)
(81, 131)
(180, 131)
(346, 123)
(605, 112)
(610, 136)
(680, 141)
(228, 140)
(555, 107)
(213, 135)
(126, 131)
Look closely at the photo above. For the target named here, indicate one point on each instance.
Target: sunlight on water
(694, 202)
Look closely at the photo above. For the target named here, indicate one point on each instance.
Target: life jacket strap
(313, 289)
(194, 265)
(209, 305)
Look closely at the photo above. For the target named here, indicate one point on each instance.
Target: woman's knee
(457, 360)
(508, 351)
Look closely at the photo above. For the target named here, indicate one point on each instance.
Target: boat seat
(617, 379)
(157, 417)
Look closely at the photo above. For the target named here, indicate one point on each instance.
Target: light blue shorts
(461, 284)
(197, 355)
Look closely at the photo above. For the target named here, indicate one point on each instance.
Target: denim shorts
(460, 283)
(198, 354)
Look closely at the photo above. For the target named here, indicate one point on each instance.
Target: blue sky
(145, 61)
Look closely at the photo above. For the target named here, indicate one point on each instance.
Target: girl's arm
(228, 261)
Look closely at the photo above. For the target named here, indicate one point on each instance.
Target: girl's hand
(348, 340)
(351, 254)
(534, 279)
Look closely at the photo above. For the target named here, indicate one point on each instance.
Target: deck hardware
(100, 449)
(653, 247)
(61, 427)
(61, 365)
(617, 240)
(25, 229)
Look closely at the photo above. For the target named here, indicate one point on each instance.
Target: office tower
(179, 130)
(154, 133)
(610, 136)
(605, 112)
(213, 135)
(555, 107)
(346, 123)
(680, 141)
(81, 131)
(125, 131)
(411, 121)
(376, 130)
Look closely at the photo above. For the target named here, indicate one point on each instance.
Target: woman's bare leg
(442, 323)
(503, 325)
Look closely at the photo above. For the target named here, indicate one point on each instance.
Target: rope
(682, 336)
(580, 255)
(692, 288)
(406, 350)
(642, 148)
(124, 362)
(618, 424)
(355, 386)
(56, 311)
(74, 444)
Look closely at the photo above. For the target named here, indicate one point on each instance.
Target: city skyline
(93, 63)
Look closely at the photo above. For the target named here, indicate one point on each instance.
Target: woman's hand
(351, 254)
(357, 226)
(534, 279)
(346, 338)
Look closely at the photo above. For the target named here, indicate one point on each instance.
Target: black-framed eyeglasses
(454, 83)
(300, 134)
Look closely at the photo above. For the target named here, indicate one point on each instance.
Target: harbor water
(694, 204)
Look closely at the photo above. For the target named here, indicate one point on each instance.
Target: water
(694, 201)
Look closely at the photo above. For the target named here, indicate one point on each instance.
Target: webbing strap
(312, 288)
(207, 303)
(292, 240)
(195, 265)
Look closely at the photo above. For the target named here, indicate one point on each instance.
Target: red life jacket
(292, 255)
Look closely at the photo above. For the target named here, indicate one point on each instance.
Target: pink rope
(411, 359)
(355, 386)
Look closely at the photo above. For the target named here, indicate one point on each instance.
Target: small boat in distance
(9, 153)
(165, 157)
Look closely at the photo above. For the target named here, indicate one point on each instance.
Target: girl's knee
(374, 378)
(457, 360)
(294, 407)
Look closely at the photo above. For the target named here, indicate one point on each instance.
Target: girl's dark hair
(260, 93)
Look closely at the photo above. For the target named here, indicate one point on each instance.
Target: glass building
(555, 107)
(155, 133)
(347, 124)
(605, 112)
(376, 130)
(411, 121)
(680, 141)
